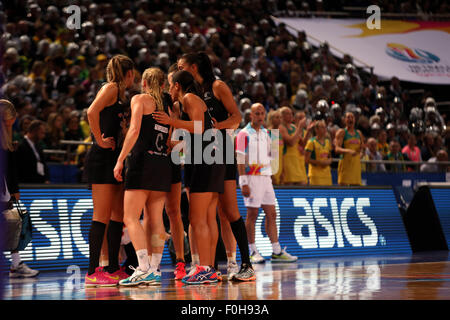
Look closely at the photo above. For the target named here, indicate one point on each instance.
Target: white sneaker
(256, 258)
(283, 257)
(232, 269)
(140, 276)
(22, 271)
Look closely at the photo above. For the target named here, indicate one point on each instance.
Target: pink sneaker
(99, 279)
(180, 270)
(118, 275)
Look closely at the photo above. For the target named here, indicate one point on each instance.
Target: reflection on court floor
(403, 277)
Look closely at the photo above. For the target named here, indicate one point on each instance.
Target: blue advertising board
(441, 199)
(312, 222)
(318, 222)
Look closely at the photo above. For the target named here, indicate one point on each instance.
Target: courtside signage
(311, 223)
(441, 201)
(61, 221)
(334, 222)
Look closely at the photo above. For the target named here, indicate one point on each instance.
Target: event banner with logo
(416, 51)
(311, 223)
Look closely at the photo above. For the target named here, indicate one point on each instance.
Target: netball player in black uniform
(219, 99)
(147, 175)
(173, 202)
(105, 116)
(203, 180)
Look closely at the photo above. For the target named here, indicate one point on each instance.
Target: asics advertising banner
(318, 222)
(416, 51)
(311, 223)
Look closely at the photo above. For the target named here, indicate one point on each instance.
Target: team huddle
(133, 174)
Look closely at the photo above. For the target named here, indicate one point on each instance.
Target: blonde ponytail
(154, 78)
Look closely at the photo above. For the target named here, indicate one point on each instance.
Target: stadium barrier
(65, 172)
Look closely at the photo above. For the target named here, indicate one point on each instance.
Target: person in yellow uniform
(273, 123)
(318, 156)
(293, 171)
(349, 142)
(298, 118)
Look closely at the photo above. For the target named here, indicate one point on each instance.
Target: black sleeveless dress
(202, 177)
(176, 168)
(148, 165)
(220, 113)
(99, 162)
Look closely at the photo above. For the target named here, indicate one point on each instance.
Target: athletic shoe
(245, 274)
(283, 257)
(201, 276)
(232, 269)
(99, 279)
(154, 278)
(140, 277)
(256, 258)
(22, 271)
(218, 275)
(118, 275)
(180, 270)
(192, 270)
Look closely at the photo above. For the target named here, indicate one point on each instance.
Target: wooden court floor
(423, 276)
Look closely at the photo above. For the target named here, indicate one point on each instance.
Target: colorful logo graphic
(399, 27)
(412, 55)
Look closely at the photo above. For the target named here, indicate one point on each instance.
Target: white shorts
(261, 192)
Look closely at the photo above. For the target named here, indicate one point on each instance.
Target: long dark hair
(204, 67)
(116, 71)
(187, 82)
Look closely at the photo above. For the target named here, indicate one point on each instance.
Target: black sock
(114, 236)
(96, 234)
(240, 233)
(131, 258)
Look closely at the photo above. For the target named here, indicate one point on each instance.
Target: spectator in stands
(434, 164)
(382, 146)
(373, 154)
(24, 123)
(411, 152)
(363, 125)
(55, 132)
(263, 55)
(30, 158)
(73, 131)
(58, 79)
(391, 132)
(395, 154)
(84, 124)
(427, 149)
(432, 116)
(403, 134)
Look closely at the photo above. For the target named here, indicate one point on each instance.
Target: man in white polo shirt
(253, 148)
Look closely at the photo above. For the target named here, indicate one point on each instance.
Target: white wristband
(243, 181)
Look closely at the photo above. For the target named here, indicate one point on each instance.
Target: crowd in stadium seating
(52, 73)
